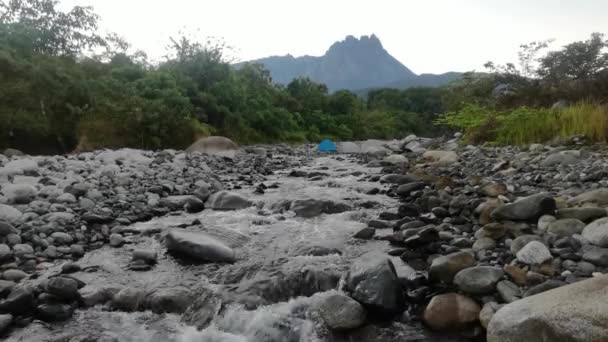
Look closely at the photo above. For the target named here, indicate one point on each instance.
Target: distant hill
(352, 64)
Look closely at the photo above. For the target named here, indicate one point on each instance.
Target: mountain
(352, 64)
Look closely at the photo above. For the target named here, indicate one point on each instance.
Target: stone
(404, 190)
(5, 252)
(494, 190)
(373, 282)
(54, 312)
(365, 233)
(521, 241)
(61, 238)
(19, 193)
(529, 208)
(6, 228)
(64, 288)
(116, 240)
(566, 227)
(483, 244)
(14, 275)
(597, 232)
(168, 300)
(534, 253)
(508, 291)
(597, 256)
(478, 280)
(396, 159)
(190, 203)
(574, 312)
(340, 312)
(444, 268)
(518, 275)
(19, 302)
(441, 158)
(128, 299)
(9, 214)
(198, 246)
(451, 312)
(561, 158)
(487, 312)
(348, 147)
(544, 222)
(582, 214)
(215, 145)
(149, 256)
(225, 200)
(492, 230)
(597, 196)
(5, 323)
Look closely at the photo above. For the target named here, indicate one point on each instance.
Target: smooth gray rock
(574, 313)
(534, 253)
(169, 300)
(597, 232)
(566, 227)
(9, 214)
(128, 299)
(198, 246)
(444, 268)
(529, 208)
(19, 193)
(65, 288)
(521, 241)
(583, 214)
(341, 312)
(479, 279)
(596, 196)
(191, 203)
(61, 238)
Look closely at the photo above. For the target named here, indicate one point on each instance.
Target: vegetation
(64, 86)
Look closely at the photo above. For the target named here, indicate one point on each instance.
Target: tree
(578, 61)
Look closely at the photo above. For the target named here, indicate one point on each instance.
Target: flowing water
(274, 288)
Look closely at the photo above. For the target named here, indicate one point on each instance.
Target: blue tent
(327, 146)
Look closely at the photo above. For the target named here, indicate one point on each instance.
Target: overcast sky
(428, 36)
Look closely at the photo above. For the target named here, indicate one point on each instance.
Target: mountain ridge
(353, 64)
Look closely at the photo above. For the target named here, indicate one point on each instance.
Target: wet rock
(478, 280)
(582, 214)
(373, 282)
(597, 232)
(444, 268)
(20, 301)
(5, 323)
(190, 203)
(574, 312)
(378, 224)
(225, 200)
(394, 178)
(566, 227)
(128, 299)
(64, 288)
(116, 240)
(70, 267)
(340, 312)
(148, 256)
(317, 251)
(526, 209)
(168, 300)
(365, 233)
(451, 312)
(54, 312)
(198, 246)
(96, 218)
(311, 207)
(534, 253)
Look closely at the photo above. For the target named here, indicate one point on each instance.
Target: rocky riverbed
(412, 240)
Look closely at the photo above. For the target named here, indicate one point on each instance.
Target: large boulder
(373, 282)
(226, 200)
(574, 313)
(172, 300)
(440, 158)
(348, 147)
(478, 280)
(214, 145)
(597, 232)
(341, 312)
(444, 268)
(198, 246)
(529, 208)
(451, 311)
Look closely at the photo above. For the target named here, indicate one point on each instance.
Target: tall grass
(532, 125)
